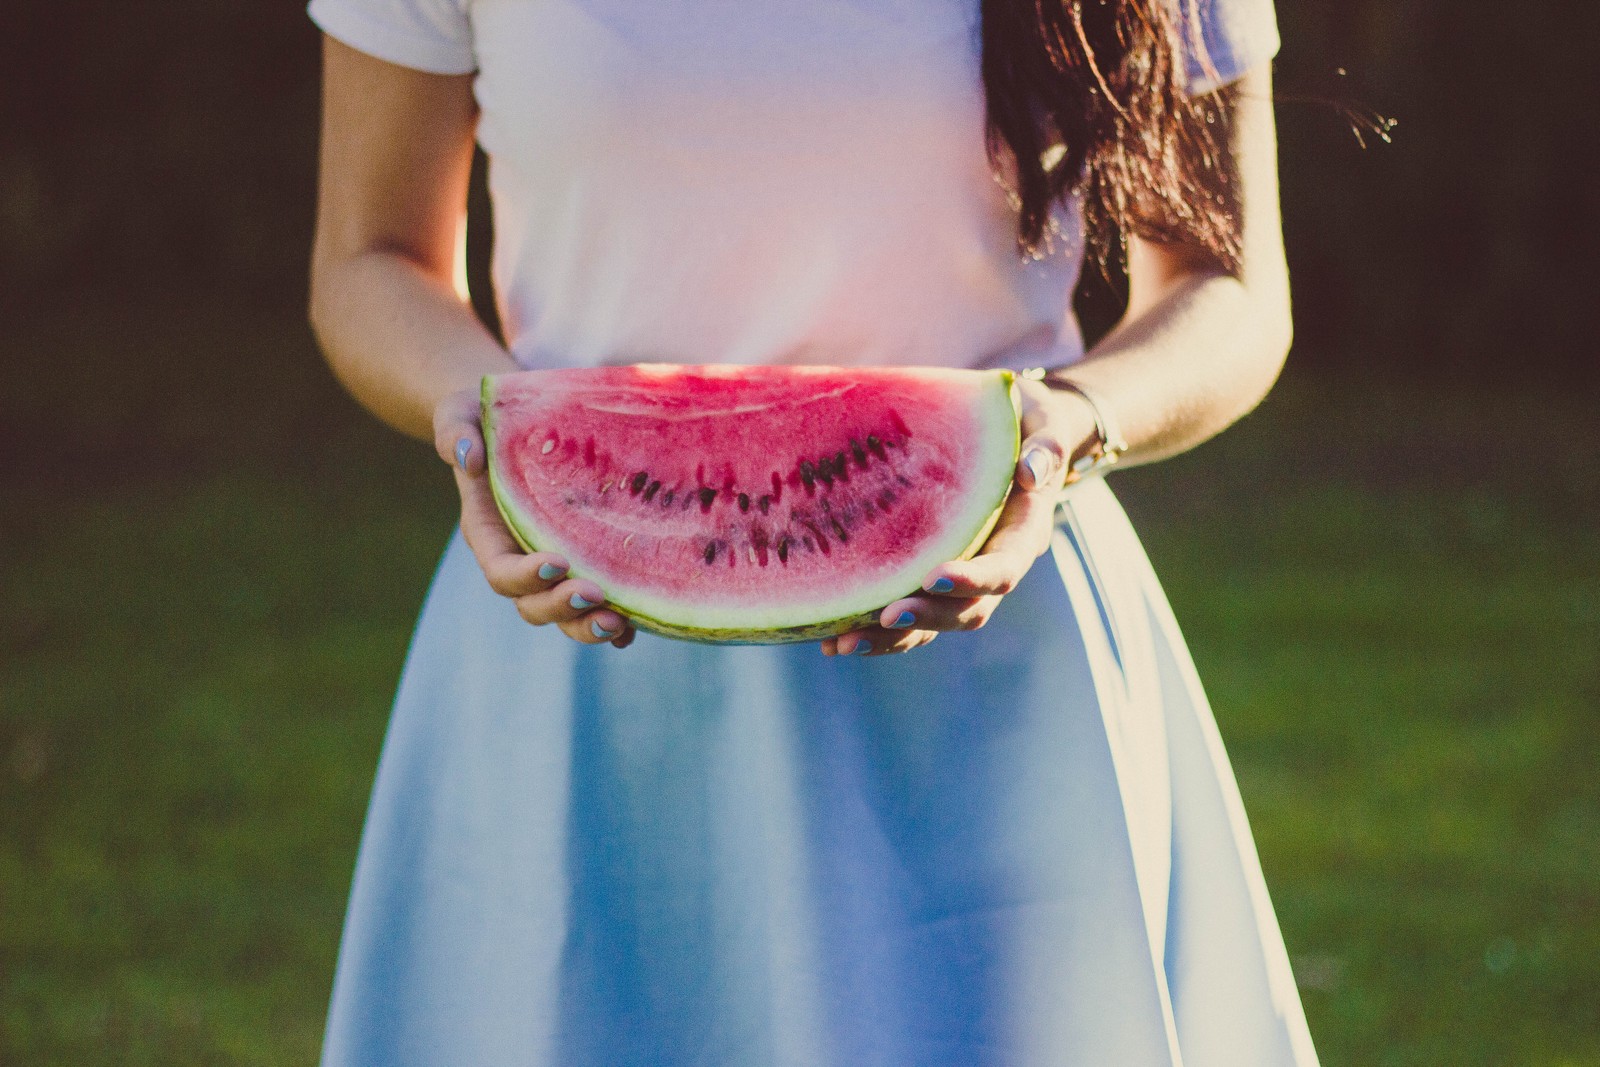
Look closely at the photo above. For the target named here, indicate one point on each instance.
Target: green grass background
(212, 561)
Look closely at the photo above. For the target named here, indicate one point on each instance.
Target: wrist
(1076, 418)
(1102, 443)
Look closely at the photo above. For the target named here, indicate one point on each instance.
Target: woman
(1021, 846)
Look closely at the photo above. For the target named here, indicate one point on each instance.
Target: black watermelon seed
(825, 471)
(708, 496)
(841, 467)
(808, 474)
(764, 503)
(810, 547)
(638, 481)
(876, 446)
(838, 531)
(903, 480)
(885, 498)
(822, 539)
(744, 501)
(859, 453)
(711, 551)
(783, 549)
(651, 491)
(666, 498)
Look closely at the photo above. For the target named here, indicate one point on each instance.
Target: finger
(939, 613)
(1024, 527)
(876, 641)
(1022, 532)
(518, 574)
(1042, 464)
(458, 433)
(1020, 537)
(856, 642)
(599, 627)
(479, 512)
(566, 602)
(511, 571)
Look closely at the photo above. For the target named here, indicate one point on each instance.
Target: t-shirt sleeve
(1224, 39)
(428, 35)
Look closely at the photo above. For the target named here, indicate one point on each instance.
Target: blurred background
(212, 558)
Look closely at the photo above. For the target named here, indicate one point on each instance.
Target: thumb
(1043, 464)
(458, 435)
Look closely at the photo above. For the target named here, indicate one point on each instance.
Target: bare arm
(386, 303)
(1198, 349)
(1195, 350)
(389, 302)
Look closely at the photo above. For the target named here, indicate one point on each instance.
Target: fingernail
(904, 622)
(601, 631)
(941, 585)
(581, 604)
(551, 571)
(862, 648)
(1038, 465)
(463, 450)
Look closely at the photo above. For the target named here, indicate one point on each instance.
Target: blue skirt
(1021, 846)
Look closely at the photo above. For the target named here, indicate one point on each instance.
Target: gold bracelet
(1109, 444)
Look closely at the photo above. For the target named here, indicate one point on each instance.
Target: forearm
(386, 304)
(398, 337)
(1187, 366)
(1198, 348)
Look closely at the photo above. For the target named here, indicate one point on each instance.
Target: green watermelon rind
(807, 631)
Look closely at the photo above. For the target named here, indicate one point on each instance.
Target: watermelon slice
(751, 504)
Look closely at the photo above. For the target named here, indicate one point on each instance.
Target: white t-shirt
(751, 181)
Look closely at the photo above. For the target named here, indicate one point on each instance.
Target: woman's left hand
(962, 595)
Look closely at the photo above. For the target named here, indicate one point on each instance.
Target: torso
(755, 182)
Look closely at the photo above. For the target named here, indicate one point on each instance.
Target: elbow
(1275, 337)
(1271, 315)
(317, 296)
(328, 305)
(319, 301)
(316, 319)
(1277, 333)
(314, 311)
(1278, 326)
(1264, 333)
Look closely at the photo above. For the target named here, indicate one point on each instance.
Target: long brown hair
(1091, 97)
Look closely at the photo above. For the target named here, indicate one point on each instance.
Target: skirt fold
(1021, 847)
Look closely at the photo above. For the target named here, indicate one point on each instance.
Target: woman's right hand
(536, 582)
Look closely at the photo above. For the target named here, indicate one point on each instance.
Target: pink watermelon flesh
(752, 504)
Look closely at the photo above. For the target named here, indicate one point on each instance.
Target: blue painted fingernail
(601, 631)
(551, 571)
(463, 450)
(581, 604)
(1038, 465)
(941, 585)
(904, 622)
(862, 648)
